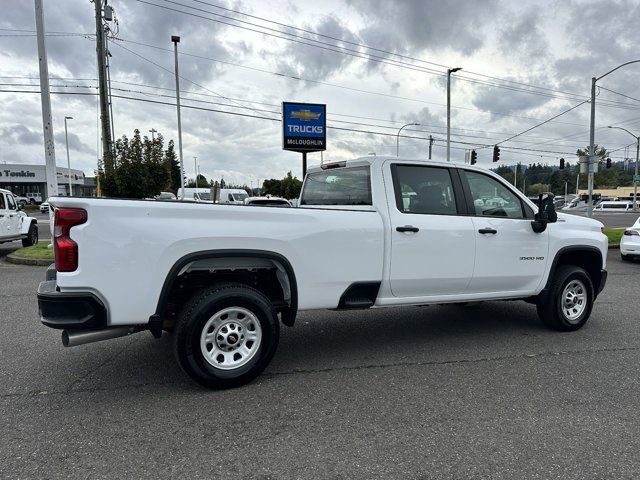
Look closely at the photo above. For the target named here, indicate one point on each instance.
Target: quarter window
(491, 198)
(424, 190)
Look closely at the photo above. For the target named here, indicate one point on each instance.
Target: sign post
(304, 129)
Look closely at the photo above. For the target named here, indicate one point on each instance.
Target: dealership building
(22, 179)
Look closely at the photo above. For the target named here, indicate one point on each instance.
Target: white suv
(15, 224)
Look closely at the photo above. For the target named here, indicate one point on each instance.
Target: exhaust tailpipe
(73, 338)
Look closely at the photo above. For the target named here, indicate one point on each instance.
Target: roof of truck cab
(375, 160)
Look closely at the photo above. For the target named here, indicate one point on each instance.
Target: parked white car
(267, 201)
(223, 279)
(630, 242)
(44, 207)
(620, 206)
(15, 224)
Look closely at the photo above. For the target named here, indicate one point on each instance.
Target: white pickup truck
(15, 224)
(369, 233)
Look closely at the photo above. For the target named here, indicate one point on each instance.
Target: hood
(579, 221)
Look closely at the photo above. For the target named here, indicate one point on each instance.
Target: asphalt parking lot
(420, 392)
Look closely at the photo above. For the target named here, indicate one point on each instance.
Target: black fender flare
(554, 265)
(155, 321)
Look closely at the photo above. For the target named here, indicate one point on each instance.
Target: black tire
(200, 310)
(550, 309)
(32, 236)
(626, 258)
(32, 202)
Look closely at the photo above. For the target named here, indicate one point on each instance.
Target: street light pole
(195, 165)
(175, 39)
(398, 137)
(635, 184)
(449, 72)
(592, 153)
(66, 140)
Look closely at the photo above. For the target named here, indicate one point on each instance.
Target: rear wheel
(32, 236)
(626, 258)
(226, 335)
(568, 304)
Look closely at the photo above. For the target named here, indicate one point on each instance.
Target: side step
(359, 295)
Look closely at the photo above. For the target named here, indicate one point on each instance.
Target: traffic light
(474, 157)
(496, 153)
(562, 164)
(608, 163)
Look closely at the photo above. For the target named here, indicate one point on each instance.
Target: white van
(614, 206)
(234, 196)
(202, 195)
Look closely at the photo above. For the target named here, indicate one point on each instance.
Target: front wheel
(226, 335)
(568, 304)
(32, 236)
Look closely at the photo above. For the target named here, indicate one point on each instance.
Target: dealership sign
(12, 174)
(304, 127)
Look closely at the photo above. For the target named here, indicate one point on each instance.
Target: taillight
(65, 249)
(631, 233)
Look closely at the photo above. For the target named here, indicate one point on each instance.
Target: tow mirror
(546, 213)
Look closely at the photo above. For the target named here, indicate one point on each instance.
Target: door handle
(407, 228)
(487, 230)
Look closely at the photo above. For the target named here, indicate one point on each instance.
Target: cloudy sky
(377, 64)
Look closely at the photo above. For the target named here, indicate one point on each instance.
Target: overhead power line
(332, 48)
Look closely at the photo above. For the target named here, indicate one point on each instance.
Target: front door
(13, 219)
(4, 217)
(510, 256)
(432, 245)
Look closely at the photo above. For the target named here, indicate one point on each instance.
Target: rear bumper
(74, 310)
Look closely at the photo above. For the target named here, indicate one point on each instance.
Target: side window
(424, 190)
(2, 206)
(339, 186)
(11, 202)
(230, 198)
(491, 198)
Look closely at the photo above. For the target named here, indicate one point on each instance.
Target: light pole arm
(619, 66)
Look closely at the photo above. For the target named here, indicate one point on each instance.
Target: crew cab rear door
(432, 241)
(510, 256)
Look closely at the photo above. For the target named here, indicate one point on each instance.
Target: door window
(11, 202)
(424, 190)
(2, 206)
(491, 198)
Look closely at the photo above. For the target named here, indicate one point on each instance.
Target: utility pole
(515, 177)
(176, 39)
(45, 98)
(430, 145)
(103, 90)
(66, 141)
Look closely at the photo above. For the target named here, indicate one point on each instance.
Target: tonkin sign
(304, 127)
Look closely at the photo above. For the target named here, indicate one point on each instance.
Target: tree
(139, 168)
(171, 160)
(289, 187)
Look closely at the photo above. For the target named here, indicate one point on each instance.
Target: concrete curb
(614, 246)
(36, 262)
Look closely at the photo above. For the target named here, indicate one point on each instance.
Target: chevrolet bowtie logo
(305, 115)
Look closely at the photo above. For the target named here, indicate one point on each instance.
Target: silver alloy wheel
(574, 301)
(231, 338)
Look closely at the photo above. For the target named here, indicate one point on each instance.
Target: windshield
(343, 186)
(202, 196)
(239, 197)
